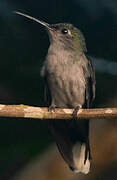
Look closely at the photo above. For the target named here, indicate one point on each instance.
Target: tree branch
(25, 111)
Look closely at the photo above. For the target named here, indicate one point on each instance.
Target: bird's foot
(52, 108)
(75, 112)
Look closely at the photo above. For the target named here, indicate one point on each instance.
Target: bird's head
(63, 34)
(68, 35)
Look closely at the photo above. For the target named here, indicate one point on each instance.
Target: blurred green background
(23, 46)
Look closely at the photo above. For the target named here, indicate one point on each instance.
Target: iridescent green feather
(79, 40)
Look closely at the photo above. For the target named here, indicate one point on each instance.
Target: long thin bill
(34, 19)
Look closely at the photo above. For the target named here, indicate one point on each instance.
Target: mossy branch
(42, 113)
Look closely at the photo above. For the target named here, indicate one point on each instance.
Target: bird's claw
(75, 112)
(52, 108)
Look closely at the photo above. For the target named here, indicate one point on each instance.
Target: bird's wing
(47, 94)
(90, 83)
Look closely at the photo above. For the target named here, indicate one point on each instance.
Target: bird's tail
(73, 144)
(81, 158)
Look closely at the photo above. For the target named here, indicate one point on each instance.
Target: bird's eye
(64, 31)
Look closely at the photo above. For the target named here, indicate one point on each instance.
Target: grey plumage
(70, 83)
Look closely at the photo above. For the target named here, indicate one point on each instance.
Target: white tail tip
(79, 158)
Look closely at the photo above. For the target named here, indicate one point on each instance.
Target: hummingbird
(69, 83)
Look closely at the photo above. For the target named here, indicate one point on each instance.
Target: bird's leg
(74, 115)
(75, 112)
(52, 107)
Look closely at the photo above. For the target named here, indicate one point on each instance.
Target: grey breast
(66, 80)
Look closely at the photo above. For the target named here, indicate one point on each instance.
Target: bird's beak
(48, 26)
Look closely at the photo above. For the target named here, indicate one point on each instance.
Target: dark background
(23, 46)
